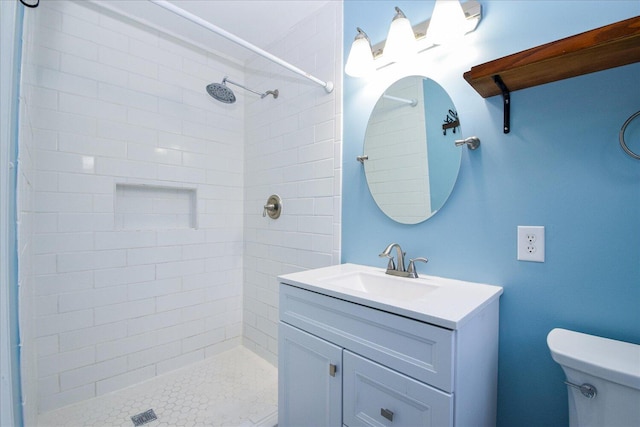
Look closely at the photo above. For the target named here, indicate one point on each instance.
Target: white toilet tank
(611, 367)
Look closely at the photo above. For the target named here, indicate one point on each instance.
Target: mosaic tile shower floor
(233, 389)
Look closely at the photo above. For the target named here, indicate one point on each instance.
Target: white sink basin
(437, 300)
(381, 285)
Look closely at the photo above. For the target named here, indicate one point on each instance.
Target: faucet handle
(391, 265)
(411, 270)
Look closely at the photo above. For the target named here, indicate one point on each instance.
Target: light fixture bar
(472, 11)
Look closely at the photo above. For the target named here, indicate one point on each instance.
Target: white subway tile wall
(293, 149)
(126, 284)
(108, 103)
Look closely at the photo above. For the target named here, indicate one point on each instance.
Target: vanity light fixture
(360, 60)
(401, 41)
(364, 58)
(447, 22)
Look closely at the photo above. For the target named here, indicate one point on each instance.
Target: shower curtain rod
(413, 102)
(328, 86)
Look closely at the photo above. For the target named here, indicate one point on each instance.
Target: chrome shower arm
(226, 80)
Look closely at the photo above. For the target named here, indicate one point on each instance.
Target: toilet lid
(615, 361)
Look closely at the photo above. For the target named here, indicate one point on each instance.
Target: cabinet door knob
(387, 414)
(332, 370)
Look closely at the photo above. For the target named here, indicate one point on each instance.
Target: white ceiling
(260, 22)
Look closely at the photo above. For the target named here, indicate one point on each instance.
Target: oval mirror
(412, 161)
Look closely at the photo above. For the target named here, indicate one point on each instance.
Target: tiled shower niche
(151, 207)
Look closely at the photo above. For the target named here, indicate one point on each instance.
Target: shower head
(222, 93)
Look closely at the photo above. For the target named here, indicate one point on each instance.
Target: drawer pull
(387, 414)
(332, 369)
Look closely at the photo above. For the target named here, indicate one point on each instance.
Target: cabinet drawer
(418, 349)
(377, 396)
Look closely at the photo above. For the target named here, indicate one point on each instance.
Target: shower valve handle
(273, 207)
(268, 207)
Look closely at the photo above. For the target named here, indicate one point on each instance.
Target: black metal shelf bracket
(506, 103)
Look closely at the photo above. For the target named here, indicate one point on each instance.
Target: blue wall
(560, 167)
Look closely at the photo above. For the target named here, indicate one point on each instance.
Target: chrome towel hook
(623, 143)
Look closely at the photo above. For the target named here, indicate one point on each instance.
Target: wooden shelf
(606, 47)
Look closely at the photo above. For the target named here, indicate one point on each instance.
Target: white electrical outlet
(531, 243)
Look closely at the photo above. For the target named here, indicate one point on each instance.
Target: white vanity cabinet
(348, 363)
(310, 384)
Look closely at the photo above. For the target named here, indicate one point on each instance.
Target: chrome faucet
(394, 268)
(397, 268)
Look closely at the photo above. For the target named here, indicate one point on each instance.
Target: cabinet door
(375, 395)
(309, 380)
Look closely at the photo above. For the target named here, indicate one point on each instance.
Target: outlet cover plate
(531, 243)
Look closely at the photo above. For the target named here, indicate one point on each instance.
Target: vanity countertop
(448, 303)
